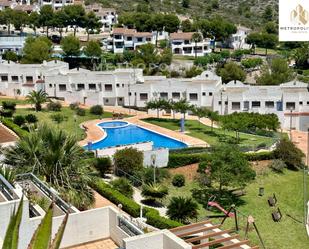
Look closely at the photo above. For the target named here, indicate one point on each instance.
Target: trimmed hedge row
(178, 160)
(14, 127)
(131, 207)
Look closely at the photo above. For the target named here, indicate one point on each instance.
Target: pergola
(203, 234)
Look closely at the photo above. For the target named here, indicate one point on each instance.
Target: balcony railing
(128, 227)
(6, 189)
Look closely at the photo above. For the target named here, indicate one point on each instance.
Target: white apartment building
(107, 226)
(238, 40)
(182, 44)
(56, 4)
(108, 16)
(128, 87)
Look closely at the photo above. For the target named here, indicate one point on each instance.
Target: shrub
(19, 131)
(19, 120)
(7, 113)
(277, 165)
(182, 209)
(31, 118)
(128, 160)
(289, 154)
(80, 111)
(9, 105)
(58, 118)
(259, 156)
(74, 106)
(147, 175)
(103, 165)
(54, 106)
(123, 186)
(154, 191)
(96, 110)
(179, 160)
(178, 180)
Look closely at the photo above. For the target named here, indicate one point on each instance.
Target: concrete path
(300, 139)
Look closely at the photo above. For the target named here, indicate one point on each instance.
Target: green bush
(74, 106)
(259, 156)
(58, 118)
(132, 208)
(54, 106)
(103, 165)
(179, 160)
(80, 111)
(9, 105)
(147, 175)
(154, 191)
(128, 160)
(277, 165)
(179, 180)
(96, 110)
(19, 131)
(19, 120)
(7, 113)
(31, 118)
(123, 186)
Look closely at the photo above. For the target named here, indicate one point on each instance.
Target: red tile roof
(181, 36)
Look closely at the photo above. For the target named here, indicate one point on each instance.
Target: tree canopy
(231, 71)
(36, 50)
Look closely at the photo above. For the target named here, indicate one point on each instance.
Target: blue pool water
(123, 133)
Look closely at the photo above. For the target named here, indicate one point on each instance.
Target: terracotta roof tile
(181, 36)
(124, 31)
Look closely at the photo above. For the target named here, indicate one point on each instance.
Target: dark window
(204, 94)
(235, 105)
(219, 102)
(193, 96)
(14, 78)
(256, 104)
(143, 96)
(129, 38)
(270, 104)
(50, 85)
(80, 86)
(4, 78)
(307, 102)
(139, 39)
(62, 87)
(118, 36)
(106, 100)
(187, 42)
(120, 99)
(164, 95)
(148, 39)
(130, 93)
(210, 93)
(226, 102)
(122, 85)
(300, 103)
(290, 105)
(176, 95)
(92, 86)
(117, 85)
(108, 87)
(29, 79)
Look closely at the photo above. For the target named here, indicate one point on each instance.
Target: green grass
(288, 188)
(69, 124)
(203, 132)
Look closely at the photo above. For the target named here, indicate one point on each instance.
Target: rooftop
(181, 36)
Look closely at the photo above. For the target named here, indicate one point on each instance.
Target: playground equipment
(217, 205)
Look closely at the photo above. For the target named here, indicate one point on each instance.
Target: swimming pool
(124, 133)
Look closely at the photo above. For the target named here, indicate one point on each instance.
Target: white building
(56, 4)
(99, 225)
(108, 16)
(13, 43)
(182, 44)
(238, 40)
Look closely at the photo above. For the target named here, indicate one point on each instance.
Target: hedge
(133, 208)
(14, 127)
(178, 160)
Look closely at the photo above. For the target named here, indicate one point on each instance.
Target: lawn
(287, 234)
(203, 132)
(69, 124)
(18, 101)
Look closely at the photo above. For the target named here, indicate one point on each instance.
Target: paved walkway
(99, 244)
(300, 139)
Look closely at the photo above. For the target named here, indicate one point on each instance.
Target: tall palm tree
(196, 37)
(182, 209)
(55, 156)
(37, 98)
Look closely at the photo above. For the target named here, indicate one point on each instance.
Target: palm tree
(182, 209)
(8, 173)
(37, 98)
(42, 236)
(154, 191)
(196, 37)
(56, 157)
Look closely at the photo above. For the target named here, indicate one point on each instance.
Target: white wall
(161, 157)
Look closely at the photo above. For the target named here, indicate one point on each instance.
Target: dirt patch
(260, 166)
(189, 171)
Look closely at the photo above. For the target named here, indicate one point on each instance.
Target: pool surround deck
(95, 133)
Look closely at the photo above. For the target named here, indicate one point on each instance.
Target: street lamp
(291, 113)
(153, 163)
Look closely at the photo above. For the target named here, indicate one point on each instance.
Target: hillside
(246, 12)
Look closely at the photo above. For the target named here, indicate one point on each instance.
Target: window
(148, 39)
(130, 94)
(120, 99)
(176, 95)
(290, 105)
(164, 95)
(4, 78)
(106, 100)
(118, 37)
(80, 86)
(300, 103)
(129, 38)
(50, 85)
(235, 105)
(108, 87)
(256, 104)
(62, 87)
(307, 102)
(269, 104)
(143, 96)
(210, 93)
(226, 102)
(204, 94)
(15, 78)
(122, 85)
(139, 39)
(193, 96)
(92, 87)
(187, 42)
(117, 85)
(219, 102)
(29, 79)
